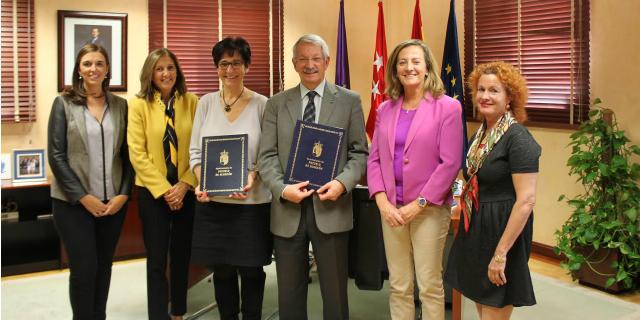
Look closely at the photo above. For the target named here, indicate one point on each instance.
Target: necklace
(409, 106)
(227, 106)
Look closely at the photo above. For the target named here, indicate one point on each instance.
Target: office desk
(31, 243)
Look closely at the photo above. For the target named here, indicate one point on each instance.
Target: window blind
(18, 62)
(194, 26)
(548, 40)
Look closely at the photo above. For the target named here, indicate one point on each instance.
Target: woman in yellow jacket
(160, 121)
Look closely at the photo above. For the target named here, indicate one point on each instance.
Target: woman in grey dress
(231, 233)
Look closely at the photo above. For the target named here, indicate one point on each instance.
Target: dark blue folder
(224, 164)
(314, 155)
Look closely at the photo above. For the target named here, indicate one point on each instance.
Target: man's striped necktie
(310, 110)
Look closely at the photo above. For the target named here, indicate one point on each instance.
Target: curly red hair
(512, 80)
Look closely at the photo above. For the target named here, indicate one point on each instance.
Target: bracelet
(499, 259)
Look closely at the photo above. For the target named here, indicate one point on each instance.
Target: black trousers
(90, 243)
(292, 267)
(225, 281)
(166, 233)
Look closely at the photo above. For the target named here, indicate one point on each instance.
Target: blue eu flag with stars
(451, 73)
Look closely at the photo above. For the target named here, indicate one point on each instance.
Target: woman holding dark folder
(231, 234)
(160, 121)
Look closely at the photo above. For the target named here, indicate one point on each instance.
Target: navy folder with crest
(315, 153)
(224, 164)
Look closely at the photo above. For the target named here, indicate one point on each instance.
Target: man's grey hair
(313, 39)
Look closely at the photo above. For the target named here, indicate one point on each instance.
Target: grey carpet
(45, 297)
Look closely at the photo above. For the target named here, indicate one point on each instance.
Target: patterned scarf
(478, 152)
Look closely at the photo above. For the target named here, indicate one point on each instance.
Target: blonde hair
(432, 83)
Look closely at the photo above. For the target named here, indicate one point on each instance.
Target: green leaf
(593, 113)
(604, 170)
(624, 196)
(575, 203)
(584, 218)
(632, 228)
(621, 275)
(610, 282)
(574, 266)
(597, 101)
(614, 244)
(632, 214)
(576, 135)
(589, 235)
(625, 249)
(618, 161)
(561, 197)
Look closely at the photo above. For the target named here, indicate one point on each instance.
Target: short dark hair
(230, 45)
(76, 93)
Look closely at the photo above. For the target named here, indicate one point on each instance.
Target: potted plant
(601, 239)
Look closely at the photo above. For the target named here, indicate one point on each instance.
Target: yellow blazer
(145, 132)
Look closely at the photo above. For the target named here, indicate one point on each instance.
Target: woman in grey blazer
(92, 178)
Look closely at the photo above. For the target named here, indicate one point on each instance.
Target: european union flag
(451, 73)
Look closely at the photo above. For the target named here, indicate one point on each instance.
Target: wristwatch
(422, 202)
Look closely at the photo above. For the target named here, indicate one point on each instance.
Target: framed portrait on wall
(78, 28)
(29, 165)
(6, 166)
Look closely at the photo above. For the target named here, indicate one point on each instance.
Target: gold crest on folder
(317, 149)
(224, 157)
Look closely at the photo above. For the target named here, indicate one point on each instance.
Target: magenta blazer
(432, 153)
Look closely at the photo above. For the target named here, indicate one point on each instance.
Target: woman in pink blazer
(415, 156)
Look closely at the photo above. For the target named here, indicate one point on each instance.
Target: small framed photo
(29, 165)
(6, 166)
(109, 30)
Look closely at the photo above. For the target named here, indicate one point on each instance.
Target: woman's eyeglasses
(226, 64)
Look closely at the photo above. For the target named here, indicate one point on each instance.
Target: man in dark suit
(95, 37)
(298, 213)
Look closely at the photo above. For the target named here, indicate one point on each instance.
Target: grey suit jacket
(340, 108)
(67, 152)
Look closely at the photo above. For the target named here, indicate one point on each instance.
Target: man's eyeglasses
(225, 64)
